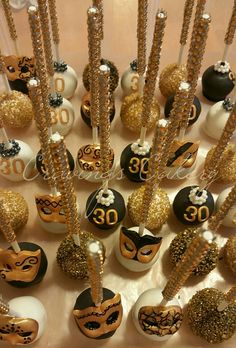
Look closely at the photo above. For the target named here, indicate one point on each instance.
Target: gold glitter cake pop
(211, 314)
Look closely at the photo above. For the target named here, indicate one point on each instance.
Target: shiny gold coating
(193, 255)
(19, 67)
(215, 220)
(141, 35)
(180, 244)
(89, 158)
(230, 253)
(35, 29)
(153, 67)
(188, 10)
(39, 116)
(54, 21)
(44, 20)
(9, 17)
(99, 5)
(131, 111)
(206, 321)
(185, 159)
(4, 307)
(229, 36)
(16, 207)
(94, 45)
(158, 212)
(170, 78)
(72, 258)
(50, 208)
(16, 109)
(5, 224)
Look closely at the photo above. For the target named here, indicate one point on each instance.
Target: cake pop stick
(99, 5)
(97, 304)
(54, 27)
(11, 24)
(141, 36)
(229, 36)
(151, 304)
(188, 9)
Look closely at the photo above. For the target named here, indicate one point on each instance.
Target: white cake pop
(230, 219)
(62, 113)
(65, 80)
(130, 79)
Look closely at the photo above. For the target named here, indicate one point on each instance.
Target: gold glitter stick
(155, 171)
(105, 123)
(94, 44)
(188, 10)
(141, 36)
(94, 252)
(215, 220)
(230, 297)
(211, 167)
(152, 71)
(36, 98)
(54, 27)
(7, 229)
(4, 307)
(65, 186)
(229, 36)
(195, 252)
(44, 20)
(195, 57)
(11, 25)
(99, 5)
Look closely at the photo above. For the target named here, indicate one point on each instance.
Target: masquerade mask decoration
(50, 208)
(183, 154)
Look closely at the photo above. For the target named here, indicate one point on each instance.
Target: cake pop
(98, 310)
(230, 253)
(218, 80)
(230, 218)
(130, 78)
(211, 314)
(139, 111)
(105, 208)
(137, 248)
(24, 264)
(22, 320)
(158, 315)
(174, 73)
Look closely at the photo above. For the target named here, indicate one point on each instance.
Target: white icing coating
(230, 219)
(29, 307)
(66, 82)
(140, 150)
(216, 119)
(18, 4)
(151, 297)
(222, 67)
(14, 168)
(53, 227)
(106, 200)
(195, 199)
(133, 265)
(63, 117)
(129, 81)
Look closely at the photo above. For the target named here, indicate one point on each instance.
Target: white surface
(66, 82)
(63, 117)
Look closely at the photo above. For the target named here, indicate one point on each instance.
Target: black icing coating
(189, 213)
(19, 85)
(86, 115)
(84, 300)
(134, 166)
(216, 85)
(42, 268)
(102, 216)
(195, 110)
(41, 167)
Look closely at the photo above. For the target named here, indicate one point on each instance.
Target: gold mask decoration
(89, 158)
(50, 209)
(134, 247)
(159, 320)
(23, 266)
(97, 321)
(183, 153)
(18, 330)
(21, 68)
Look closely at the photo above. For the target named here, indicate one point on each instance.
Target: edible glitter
(170, 78)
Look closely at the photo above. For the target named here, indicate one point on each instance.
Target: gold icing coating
(131, 110)
(94, 45)
(5, 224)
(36, 37)
(95, 270)
(195, 252)
(170, 78)
(105, 147)
(153, 66)
(188, 10)
(229, 36)
(4, 307)
(158, 212)
(16, 208)
(99, 5)
(50, 208)
(141, 35)
(19, 67)
(44, 20)
(54, 21)
(230, 253)
(36, 98)
(9, 17)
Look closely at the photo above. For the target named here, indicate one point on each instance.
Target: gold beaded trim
(9, 17)
(188, 10)
(229, 36)
(141, 35)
